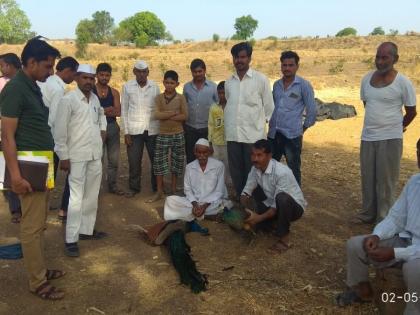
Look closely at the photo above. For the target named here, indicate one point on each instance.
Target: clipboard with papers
(37, 167)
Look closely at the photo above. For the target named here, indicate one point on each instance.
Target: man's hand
(103, 135)
(65, 165)
(20, 186)
(370, 243)
(109, 111)
(382, 254)
(198, 210)
(253, 218)
(127, 140)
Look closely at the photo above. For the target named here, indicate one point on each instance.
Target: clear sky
(200, 19)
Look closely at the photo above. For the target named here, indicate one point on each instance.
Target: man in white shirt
(249, 106)
(384, 92)
(204, 188)
(276, 193)
(52, 92)
(395, 241)
(140, 127)
(80, 129)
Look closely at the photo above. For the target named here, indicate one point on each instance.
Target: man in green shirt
(25, 128)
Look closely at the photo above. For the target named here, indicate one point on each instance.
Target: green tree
(14, 24)
(393, 32)
(346, 32)
(143, 23)
(378, 31)
(216, 38)
(103, 24)
(84, 35)
(245, 27)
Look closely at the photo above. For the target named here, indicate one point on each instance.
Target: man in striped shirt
(394, 241)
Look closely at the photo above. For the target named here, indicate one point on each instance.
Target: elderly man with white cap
(204, 188)
(140, 128)
(79, 130)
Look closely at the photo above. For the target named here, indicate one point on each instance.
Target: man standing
(140, 127)
(249, 106)
(52, 92)
(80, 129)
(292, 95)
(25, 128)
(9, 65)
(200, 94)
(394, 242)
(278, 197)
(384, 92)
(110, 102)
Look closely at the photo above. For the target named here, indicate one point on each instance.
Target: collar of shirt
(82, 97)
(59, 81)
(268, 170)
(211, 165)
(206, 83)
(249, 73)
(296, 80)
(135, 83)
(31, 84)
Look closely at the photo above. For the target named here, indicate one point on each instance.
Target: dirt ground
(122, 275)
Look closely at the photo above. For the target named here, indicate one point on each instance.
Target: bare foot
(279, 247)
(156, 197)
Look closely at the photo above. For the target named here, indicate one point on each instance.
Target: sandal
(16, 217)
(48, 292)
(349, 297)
(54, 274)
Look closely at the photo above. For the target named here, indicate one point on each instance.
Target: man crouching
(204, 188)
(277, 195)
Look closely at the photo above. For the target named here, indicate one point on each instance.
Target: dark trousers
(288, 210)
(291, 149)
(66, 192)
(135, 156)
(13, 201)
(191, 137)
(239, 157)
(112, 149)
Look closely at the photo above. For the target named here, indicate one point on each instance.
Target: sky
(199, 20)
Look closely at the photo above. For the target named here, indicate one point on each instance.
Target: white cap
(203, 141)
(85, 68)
(141, 65)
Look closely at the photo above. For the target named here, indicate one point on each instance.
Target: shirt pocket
(291, 99)
(252, 98)
(95, 114)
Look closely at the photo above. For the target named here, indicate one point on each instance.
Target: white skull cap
(85, 68)
(141, 65)
(203, 141)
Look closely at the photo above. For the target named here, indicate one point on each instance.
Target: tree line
(142, 29)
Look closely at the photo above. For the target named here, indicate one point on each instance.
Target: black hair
(236, 49)
(289, 55)
(221, 85)
(171, 74)
(67, 62)
(418, 143)
(12, 59)
(197, 63)
(39, 50)
(104, 67)
(263, 144)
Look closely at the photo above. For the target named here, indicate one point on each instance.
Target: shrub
(348, 31)
(216, 38)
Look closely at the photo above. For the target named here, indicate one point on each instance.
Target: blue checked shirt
(404, 219)
(289, 105)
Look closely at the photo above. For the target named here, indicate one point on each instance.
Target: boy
(217, 128)
(171, 111)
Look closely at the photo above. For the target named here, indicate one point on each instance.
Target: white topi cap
(85, 68)
(203, 141)
(141, 65)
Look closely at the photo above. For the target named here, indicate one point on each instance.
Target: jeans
(291, 149)
(135, 156)
(112, 149)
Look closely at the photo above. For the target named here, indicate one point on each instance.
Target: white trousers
(179, 208)
(84, 181)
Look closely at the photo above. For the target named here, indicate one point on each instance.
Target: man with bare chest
(384, 93)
